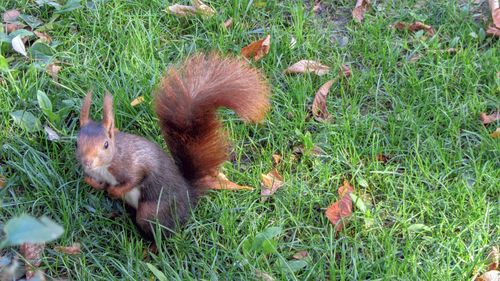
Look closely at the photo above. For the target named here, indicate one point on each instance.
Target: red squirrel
(159, 187)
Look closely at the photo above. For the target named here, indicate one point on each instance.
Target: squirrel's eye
(106, 144)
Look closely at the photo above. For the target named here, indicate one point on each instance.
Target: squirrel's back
(186, 103)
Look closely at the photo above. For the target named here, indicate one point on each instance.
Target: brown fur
(186, 103)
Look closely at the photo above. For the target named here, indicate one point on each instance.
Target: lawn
(434, 204)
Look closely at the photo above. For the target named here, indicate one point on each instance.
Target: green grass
(444, 170)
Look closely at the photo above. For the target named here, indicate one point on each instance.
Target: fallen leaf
(306, 66)
(53, 69)
(319, 110)
(257, 49)
(315, 151)
(51, 134)
(300, 255)
(137, 101)
(276, 159)
(345, 70)
(495, 12)
(342, 208)
(2, 182)
(43, 36)
(33, 254)
(383, 158)
(203, 9)
(11, 15)
(270, 183)
(18, 45)
(414, 58)
(493, 31)
(492, 275)
(416, 26)
(487, 119)
(496, 134)
(359, 10)
(182, 10)
(220, 182)
(69, 250)
(228, 23)
(263, 276)
(493, 258)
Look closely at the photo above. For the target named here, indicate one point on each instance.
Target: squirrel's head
(95, 146)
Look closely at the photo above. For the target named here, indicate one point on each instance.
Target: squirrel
(161, 188)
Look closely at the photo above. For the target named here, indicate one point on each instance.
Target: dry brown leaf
(496, 134)
(182, 10)
(270, 183)
(305, 66)
(228, 23)
(359, 11)
(263, 276)
(342, 208)
(203, 9)
(493, 258)
(220, 182)
(69, 250)
(383, 158)
(487, 119)
(11, 15)
(137, 101)
(2, 182)
(492, 275)
(345, 70)
(493, 31)
(300, 255)
(416, 26)
(33, 255)
(495, 12)
(43, 36)
(257, 49)
(53, 69)
(319, 110)
(276, 159)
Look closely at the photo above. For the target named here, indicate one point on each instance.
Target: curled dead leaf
(496, 134)
(203, 9)
(11, 15)
(342, 208)
(358, 13)
(495, 11)
(271, 182)
(69, 250)
(306, 66)
(257, 49)
(220, 182)
(263, 275)
(300, 255)
(492, 275)
(493, 258)
(33, 254)
(276, 159)
(137, 101)
(228, 23)
(493, 31)
(487, 119)
(182, 10)
(53, 69)
(319, 110)
(44, 37)
(416, 26)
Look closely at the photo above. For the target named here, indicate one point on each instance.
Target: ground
(409, 99)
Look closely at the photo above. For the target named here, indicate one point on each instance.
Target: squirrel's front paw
(115, 192)
(95, 184)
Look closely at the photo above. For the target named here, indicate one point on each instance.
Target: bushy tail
(186, 103)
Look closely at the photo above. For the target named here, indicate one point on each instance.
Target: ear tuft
(108, 120)
(84, 112)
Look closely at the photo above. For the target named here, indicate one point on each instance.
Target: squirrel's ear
(84, 112)
(108, 120)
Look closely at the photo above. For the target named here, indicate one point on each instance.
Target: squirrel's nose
(87, 162)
